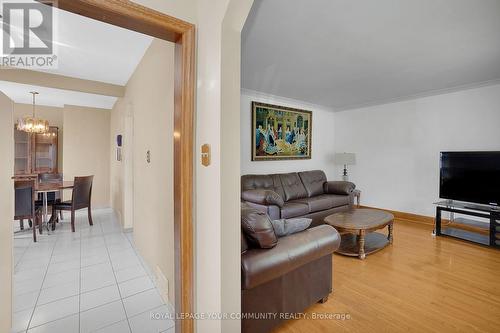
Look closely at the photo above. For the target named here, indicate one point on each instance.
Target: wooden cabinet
(35, 153)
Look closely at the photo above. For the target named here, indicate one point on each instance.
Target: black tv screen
(471, 177)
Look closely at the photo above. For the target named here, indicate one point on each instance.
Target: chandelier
(31, 124)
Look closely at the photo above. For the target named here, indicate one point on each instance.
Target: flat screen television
(471, 177)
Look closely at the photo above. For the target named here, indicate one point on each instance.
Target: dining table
(52, 186)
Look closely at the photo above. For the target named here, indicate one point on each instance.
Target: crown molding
(430, 93)
(285, 100)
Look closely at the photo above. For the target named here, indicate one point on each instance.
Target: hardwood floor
(419, 284)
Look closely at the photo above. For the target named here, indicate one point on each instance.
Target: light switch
(205, 155)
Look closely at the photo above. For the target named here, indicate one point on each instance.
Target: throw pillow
(285, 227)
(258, 228)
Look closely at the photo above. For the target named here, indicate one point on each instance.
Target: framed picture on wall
(280, 133)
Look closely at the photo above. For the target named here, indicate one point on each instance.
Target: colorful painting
(280, 133)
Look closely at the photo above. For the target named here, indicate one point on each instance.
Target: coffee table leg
(391, 231)
(361, 243)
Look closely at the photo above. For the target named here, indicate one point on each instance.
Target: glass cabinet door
(22, 157)
(45, 151)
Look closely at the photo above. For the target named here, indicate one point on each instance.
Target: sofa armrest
(339, 187)
(259, 266)
(263, 197)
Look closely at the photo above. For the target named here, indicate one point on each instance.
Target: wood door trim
(129, 15)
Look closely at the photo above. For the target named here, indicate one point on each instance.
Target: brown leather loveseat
(297, 194)
(282, 276)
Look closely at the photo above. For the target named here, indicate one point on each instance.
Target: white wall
(397, 145)
(232, 25)
(209, 221)
(6, 210)
(149, 100)
(86, 149)
(323, 138)
(218, 71)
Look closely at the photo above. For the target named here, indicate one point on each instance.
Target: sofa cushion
(324, 202)
(313, 182)
(267, 182)
(294, 209)
(292, 186)
(319, 203)
(339, 187)
(258, 228)
(262, 197)
(339, 200)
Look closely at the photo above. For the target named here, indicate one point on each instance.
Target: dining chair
(52, 197)
(80, 199)
(25, 207)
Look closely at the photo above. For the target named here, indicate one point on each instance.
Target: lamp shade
(345, 158)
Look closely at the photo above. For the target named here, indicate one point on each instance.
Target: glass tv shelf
(485, 233)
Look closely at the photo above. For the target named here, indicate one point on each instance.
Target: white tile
(24, 275)
(123, 255)
(142, 302)
(23, 287)
(59, 292)
(99, 297)
(102, 316)
(120, 327)
(122, 263)
(117, 241)
(24, 301)
(96, 270)
(65, 325)
(129, 273)
(94, 252)
(20, 320)
(55, 310)
(91, 243)
(134, 286)
(56, 279)
(91, 282)
(119, 247)
(94, 260)
(33, 265)
(73, 256)
(63, 267)
(154, 321)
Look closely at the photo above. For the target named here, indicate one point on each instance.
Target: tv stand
(471, 230)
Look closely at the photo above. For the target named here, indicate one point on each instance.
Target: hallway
(89, 281)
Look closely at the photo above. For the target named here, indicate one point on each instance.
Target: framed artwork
(280, 133)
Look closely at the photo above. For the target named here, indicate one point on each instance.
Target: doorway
(134, 17)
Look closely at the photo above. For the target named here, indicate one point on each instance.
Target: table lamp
(345, 159)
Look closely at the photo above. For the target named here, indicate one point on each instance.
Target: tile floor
(92, 280)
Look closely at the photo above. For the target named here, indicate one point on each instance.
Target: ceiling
(19, 93)
(91, 50)
(345, 54)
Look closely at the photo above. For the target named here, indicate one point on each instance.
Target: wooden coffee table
(357, 227)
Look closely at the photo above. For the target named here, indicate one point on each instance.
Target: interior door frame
(129, 15)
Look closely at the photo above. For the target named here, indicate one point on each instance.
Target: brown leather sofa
(297, 194)
(290, 275)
